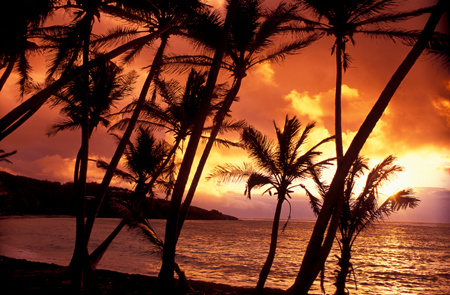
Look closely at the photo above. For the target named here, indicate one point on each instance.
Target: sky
(415, 127)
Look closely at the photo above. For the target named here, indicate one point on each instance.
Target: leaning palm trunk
(156, 65)
(98, 253)
(8, 71)
(318, 248)
(218, 120)
(165, 277)
(16, 117)
(338, 102)
(273, 246)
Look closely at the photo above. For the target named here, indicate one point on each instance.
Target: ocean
(389, 258)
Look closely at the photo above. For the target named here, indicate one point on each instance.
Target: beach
(20, 276)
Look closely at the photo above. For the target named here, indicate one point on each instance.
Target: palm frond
(184, 63)
(314, 202)
(136, 222)
(401, 200)
(5, 155)
(382, 173)
(439, 47)
(386, 18)
(260, 148)
(231, 173)
(256, 180)
(123, 175)
(115, 36)
(279, 53)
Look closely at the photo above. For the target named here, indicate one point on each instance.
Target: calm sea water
(390, 258)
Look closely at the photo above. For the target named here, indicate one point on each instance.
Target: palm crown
(276, 163)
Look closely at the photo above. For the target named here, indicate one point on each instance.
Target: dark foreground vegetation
(26, 277)
(21, 195)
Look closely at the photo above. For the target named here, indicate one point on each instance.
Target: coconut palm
(145, 9)
(19, 35)
(146, 165)
(177, 118)
(106, 86)
(343, 20)
(327, 222)
(253, 40)
(359, 212)
(279, 165)
(178, 13)
(165, 277)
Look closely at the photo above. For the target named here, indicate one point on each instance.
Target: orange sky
(415, 127)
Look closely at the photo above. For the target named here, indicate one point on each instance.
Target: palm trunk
(20, 114)
(218, 120)
(273, 246)
(8, 71)
(338, 101)
(157, 61)
(80, 263)
(98, 253)
(344, 267)
(316, 253)
(166, 277)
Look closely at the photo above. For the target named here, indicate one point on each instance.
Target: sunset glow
(415, 127)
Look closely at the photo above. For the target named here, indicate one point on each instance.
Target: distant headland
(21, 195)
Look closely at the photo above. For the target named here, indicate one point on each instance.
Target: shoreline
(27, 277)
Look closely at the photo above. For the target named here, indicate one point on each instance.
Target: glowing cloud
(306, 104)
(266, 73)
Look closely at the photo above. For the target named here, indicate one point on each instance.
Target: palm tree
(106, 86)
(73, 47)
(345, 19)
(20, 114)
(252, 41)
(278, 165)
(177, 118)
(18, 37)
(327, 222)
(166, 277)
(358, 213)
(177, 13)
(146, 165)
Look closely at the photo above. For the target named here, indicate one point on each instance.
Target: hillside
(21, 195)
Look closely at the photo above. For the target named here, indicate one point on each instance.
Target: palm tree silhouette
(107, 85)
(279, 165)
(177, 118)
(166, 277)
(145, 162)
(251, 42)
(359, 212)
(343, 21)
(74, 47)
(177, 13)
(19, 35)
(140, 11)
(327, 222)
